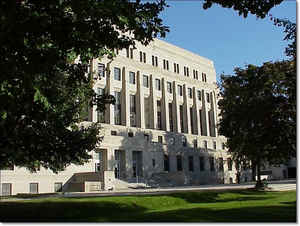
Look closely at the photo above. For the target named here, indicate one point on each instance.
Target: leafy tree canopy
(42, 91)
(258, 108)
(260, 8)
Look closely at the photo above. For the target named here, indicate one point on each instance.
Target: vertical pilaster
(125, 113)
(186, 111)
(153, 105)
(196, 120)
(204, 115)
(176, 113)
(109, 112)
(140, 102)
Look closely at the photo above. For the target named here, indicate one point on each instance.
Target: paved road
(273, 185)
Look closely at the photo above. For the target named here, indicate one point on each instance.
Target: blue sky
(223, 36)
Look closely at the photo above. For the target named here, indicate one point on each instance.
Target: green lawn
(229, 206)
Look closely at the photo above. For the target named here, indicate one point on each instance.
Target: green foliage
(43, 93)
(259, 8)
(257, 116)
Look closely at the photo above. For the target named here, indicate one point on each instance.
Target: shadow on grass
(244, 214)
(215, 197)
(67, 211)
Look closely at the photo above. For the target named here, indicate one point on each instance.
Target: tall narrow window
(147, 112)
(207, 98)
(221, 167)
(190, 92)
(101, 70)
(169, 87)
(215, 145)
(179, 162)
(131, 77)
(100, 114)
(144, 54)
(195, 142)
(145, 81)
(192, 120)
(199, 94)
(159, 126)
(131, 53)
(127, 52)
(141, 56)
(201, 122)
(179, 90)
(166, 163)
(171, 117)
(175, 68)
(181, 117)
(201, 161)
(132, 111)
(117, 108)
(229, 164)
(153, 61)
(191, 163)
(156, 61)
(164, 64)
(184, 142)
(212, 163)
(157, 84)
(167, 64)
(205, 144)
(117, 74)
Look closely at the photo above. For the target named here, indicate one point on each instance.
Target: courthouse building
(161, 131)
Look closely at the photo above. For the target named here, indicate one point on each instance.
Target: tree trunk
(253, 169)
(259, 184)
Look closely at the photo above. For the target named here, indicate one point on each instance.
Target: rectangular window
(175, 68)
(195, 142)
(181, 117)
(205, 144)
(160, 139)
(164, 64)
(187, 72)
(34, 188)
(127, 52)
(113, 133)
(201, 161)
(157, 84)
(156, 61)
(167, 65)
(145, 81)
(169, 87)
(153, 163)
(153, 61)
(100, 114)
(57, 187)
(191, 163)
(132, 111)
(6, 189)
(215, 145)
(137, 163)
(212, 163)
(190, 92)
(199, 94)
(221, 167)
(147, 112)
(184, 142)
(159, 126)
(166, 163)
(131, 77)
(204, 77)
(184, 70)
(101, 70)
(229, 164)
(144, 54)
(171, 117)
(179, 90)
(117, 108)
(207, 98)
(179, 162)
(117, 74)
(141, 56)
(131, 53)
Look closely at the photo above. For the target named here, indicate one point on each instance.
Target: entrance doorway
(119, 167)
(137, 163)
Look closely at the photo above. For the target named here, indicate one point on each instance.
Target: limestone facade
(162, 131)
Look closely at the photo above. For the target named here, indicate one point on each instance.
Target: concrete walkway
(284, 185)
(273, 185)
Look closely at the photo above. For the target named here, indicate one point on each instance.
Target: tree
(258, 108)
(43, 93)
(259, 8)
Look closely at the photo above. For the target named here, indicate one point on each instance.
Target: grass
(226, 206)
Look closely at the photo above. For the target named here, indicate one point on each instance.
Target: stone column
(125, 112)
(186, 111)
(153, 105)
(196, 120)
(140, 102)
(175, 110)
(164, 107)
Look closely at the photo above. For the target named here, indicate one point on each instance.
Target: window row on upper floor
(166, 65)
